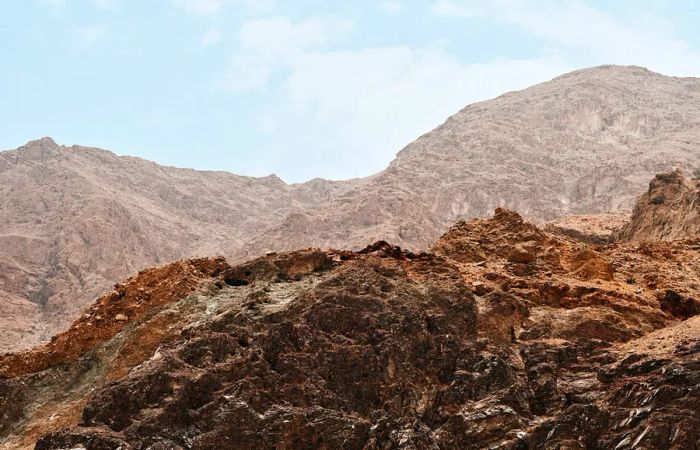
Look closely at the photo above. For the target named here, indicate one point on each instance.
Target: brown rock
(522, 254)
(678, 305)
(669, 210)
(589, 265)
(381, 348)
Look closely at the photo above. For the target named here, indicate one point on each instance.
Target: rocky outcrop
(501, 336)
(591, 228)
(106, 317)
(669, 210)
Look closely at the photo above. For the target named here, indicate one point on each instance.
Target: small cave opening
(235, 282)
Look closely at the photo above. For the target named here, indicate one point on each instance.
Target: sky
(301, 88)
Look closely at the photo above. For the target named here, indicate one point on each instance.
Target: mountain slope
(74, 220)
(585, 142)
(502, 335)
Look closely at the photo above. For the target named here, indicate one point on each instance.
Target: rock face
(502, 335)
(585, 142)
(592, 228)
(669, 210)
(74, 220)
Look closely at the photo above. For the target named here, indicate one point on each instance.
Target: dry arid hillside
(501, 335)
(74, 220)
(585, 142)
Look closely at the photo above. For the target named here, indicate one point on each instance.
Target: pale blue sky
(300, 88)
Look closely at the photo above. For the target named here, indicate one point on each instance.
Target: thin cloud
(107, 5)
(604, 38)
(91, 35)
(55, 4)
(213, 8)
(272, 44)
(211, 37)
(391, 6)
(200, 6)
(448, 8)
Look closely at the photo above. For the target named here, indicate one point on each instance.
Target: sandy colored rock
(669, 210)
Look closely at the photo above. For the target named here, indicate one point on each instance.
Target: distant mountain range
(74, 220)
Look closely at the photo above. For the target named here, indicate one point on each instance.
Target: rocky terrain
(74, 220)
(585, 142)
(501, 335)
(599, 228)
(669, 210)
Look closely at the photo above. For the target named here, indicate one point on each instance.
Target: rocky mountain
(501, 335)
(669, 210)
(585, 142)
(74, 220)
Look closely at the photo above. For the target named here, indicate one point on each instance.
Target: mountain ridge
(522, 143)
(76, 219)
(81, 219)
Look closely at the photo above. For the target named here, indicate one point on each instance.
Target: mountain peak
(609, 70)
(39, 149)
(45, 142)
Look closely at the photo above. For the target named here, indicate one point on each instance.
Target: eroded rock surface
(502, 335)
(592, 228)
(669, 210)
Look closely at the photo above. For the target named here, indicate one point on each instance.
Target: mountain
(74, 220)
(585, 142)
(669, 210)
(500, 335)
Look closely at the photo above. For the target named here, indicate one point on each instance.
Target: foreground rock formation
(74, 220)
(502, 335)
